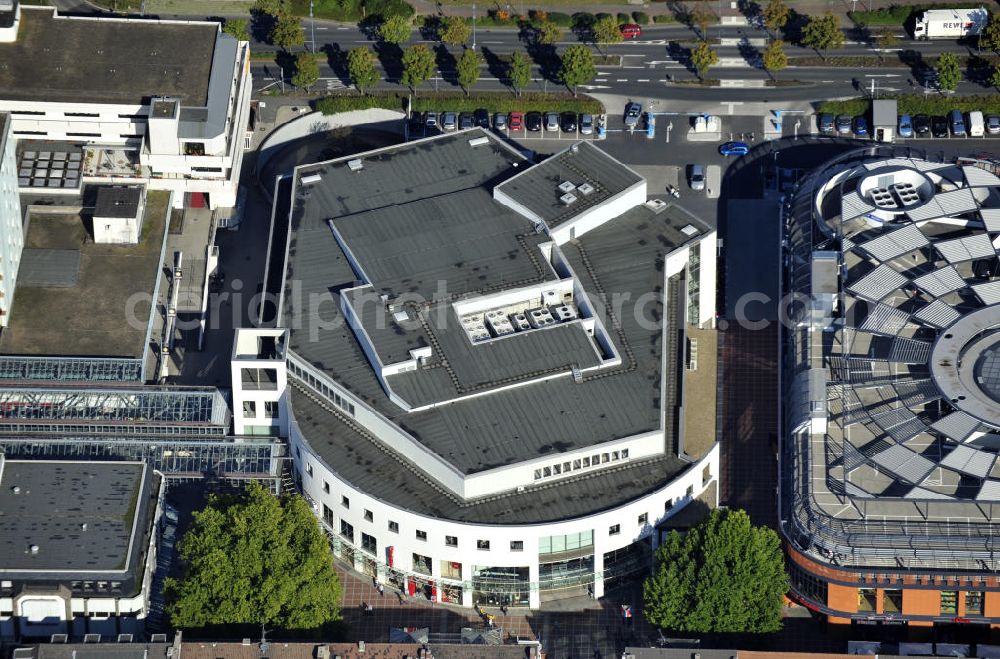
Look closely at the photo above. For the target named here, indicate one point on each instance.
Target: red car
(631, 31)
(516, 121)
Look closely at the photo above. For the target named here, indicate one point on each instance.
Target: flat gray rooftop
(508, 426)
(93, 316)
(118, 201)
(538, 188)
(74, 60)
(53, 502)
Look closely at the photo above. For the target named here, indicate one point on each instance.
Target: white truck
(950, 23)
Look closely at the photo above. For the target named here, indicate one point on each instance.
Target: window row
(318, 385)
(577, 464)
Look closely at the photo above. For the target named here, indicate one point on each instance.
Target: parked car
(905, 126)
(939, 126)
(482, 118)
(860, 126)
(826, 125)
(734, 149)
(921, 124)
(567, 121)
(551, 121)
(697, 177)
(586, 124)
(533, 121)
(516, 121)
(976, 124)
(957, 123)
(449, 121)
(993, 124)
(500, 121)
(632, 113)
(844, 125)
(631, 31)
(431, 119)
(465, 120)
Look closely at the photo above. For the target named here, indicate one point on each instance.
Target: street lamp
(312, 26)
(473, 26)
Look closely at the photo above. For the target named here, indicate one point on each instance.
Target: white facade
(260, 379)
(11, 227)
(202, 156)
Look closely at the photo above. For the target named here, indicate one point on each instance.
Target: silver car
(586, 124)
(697, 180)
(449, 121)
(551, 121)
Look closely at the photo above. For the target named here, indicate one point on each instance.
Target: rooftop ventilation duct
(586, 189)
(566, 186)
(479, 141)
(310, 179)
(355, 165)
(567, 199)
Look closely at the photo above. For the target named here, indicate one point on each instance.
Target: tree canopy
(703, 57)
(995, 77)
(258, 560)
(519, 71)
(990, 38)
(577, 67)
(774, 57)
(238, 28)
(361, 68)
(724, 575)
(395, 29)
(306, 71)
(454, 30)
(949, 71)
(702, 16)
(775, 15)
(547, 33)
(418, 66)
(606, 30)
(468, 69)
(287, 31)
(822, 33)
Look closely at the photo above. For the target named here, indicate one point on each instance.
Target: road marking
(600, 79)
(633, 67)
(643, 80)
(621, 80)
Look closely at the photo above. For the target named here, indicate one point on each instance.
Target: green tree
(287, 31)
(258, 560)
(723, 576)
(237, 28)
(395, 29)
(990, 38)
(949, 71)
(454, 30)
(995, 77)
(822, 33)
(577, 67)
(703, 57)
(886, 38)
(606, 30)
(306, 71)
(774, 57)
(361, 68)
(468, 69)
(702, 16)
(547, 33)
(270, 7)
(776, 15)
(519, 71)
(418, 66)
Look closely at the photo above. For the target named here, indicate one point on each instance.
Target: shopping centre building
(498, 379)
(890, 480)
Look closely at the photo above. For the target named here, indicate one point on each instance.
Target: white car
(697, 179)
(551, 121)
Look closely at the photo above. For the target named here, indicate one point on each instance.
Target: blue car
(905, 126)
(734, 149)
(860, 126)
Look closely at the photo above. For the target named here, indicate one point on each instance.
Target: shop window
(369, 516)
(347, 531)
(422, 564)
(249, 409)
(974, 604)
(866, 600)
(949, 602)
(450, 570)
(483, 545)
(345, 502)
(615, 529)
(422, 535)
(451, 540)
(393, 527)
(327, 515)
(892, 601)
(517, 545)
(369, 544)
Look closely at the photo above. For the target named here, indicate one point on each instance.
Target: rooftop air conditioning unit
(656, 205)
(520, 322)
(566, 186)
(586, 189)
(479, 141)
(356, 165)
(564, 313)
(567, 199)
(689, 230)
(310, 179)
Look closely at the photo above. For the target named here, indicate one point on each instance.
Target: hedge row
(498, 102)
(352, 11)
(335, 104)
(892, 15)
(917, 104)
(664, 18)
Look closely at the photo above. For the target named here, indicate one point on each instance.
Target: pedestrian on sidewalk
(381, 589)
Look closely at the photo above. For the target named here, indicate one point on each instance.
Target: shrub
(560, 19)
(504, 102)
(892, 15)
(664, 18)
(538, 15)
(583, 20)
(640, 17)
(601, 14)
(623, 18)
(919, 104)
